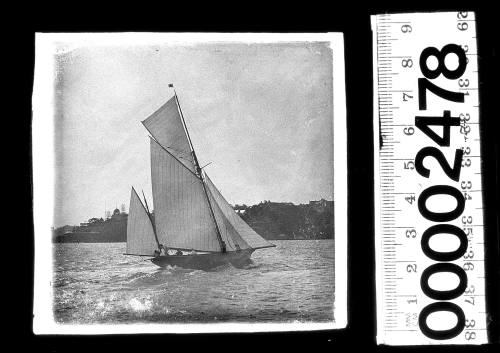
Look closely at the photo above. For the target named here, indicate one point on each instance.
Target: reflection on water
(96, 283)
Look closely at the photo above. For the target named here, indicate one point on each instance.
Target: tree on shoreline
(272, 220)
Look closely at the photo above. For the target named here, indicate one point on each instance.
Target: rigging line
(150, 216)
(185, 128)
(184, 158)
(223, 226)
(173, 156)
(147, 212)
(178, 150)
(206, 165)
(165, 148)
(219, 236)
(230, 240)
(225, 222)
(233, 217)
(197, 165)
(194, 182)
(176, 140)
(184, 119)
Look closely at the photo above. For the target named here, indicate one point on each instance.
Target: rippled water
(96, 283)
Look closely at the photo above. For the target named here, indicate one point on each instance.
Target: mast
(193, 154)
(200, 175)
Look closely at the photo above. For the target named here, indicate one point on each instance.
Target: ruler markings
(402, 37)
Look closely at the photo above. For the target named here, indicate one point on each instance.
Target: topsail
(166, 127)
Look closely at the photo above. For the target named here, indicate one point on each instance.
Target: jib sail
(140, 234)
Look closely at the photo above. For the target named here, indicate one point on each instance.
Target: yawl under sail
(190, 214)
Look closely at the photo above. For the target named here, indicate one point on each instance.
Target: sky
(262, 114)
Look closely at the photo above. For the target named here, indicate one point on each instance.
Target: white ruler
(428, 214)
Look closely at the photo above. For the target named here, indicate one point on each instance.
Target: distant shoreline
(271, 220)
(124, 242)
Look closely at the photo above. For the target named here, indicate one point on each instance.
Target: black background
(351, 19)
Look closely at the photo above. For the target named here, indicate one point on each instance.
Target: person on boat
(178, 252)
(237, 246)
(157, 252)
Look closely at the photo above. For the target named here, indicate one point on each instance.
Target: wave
(140, 306)
(291, 284)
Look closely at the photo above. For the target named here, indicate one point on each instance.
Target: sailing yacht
(190, 216)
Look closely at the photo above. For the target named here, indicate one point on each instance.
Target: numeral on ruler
(428, 212)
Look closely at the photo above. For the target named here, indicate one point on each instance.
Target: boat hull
(205, 261)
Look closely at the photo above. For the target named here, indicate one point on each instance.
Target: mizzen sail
(165, 125)
(140, 234)
(182, 214)
(250, 237)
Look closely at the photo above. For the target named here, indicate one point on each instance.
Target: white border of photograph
(44, 177)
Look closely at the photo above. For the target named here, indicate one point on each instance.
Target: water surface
(96, 283)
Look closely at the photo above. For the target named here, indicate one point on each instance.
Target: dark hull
(205, 261)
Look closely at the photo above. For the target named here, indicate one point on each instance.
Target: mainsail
(182, 213)
(243, 230)
(140, 234)
(165, 125)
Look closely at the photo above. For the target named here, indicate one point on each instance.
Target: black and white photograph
(189, 182)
